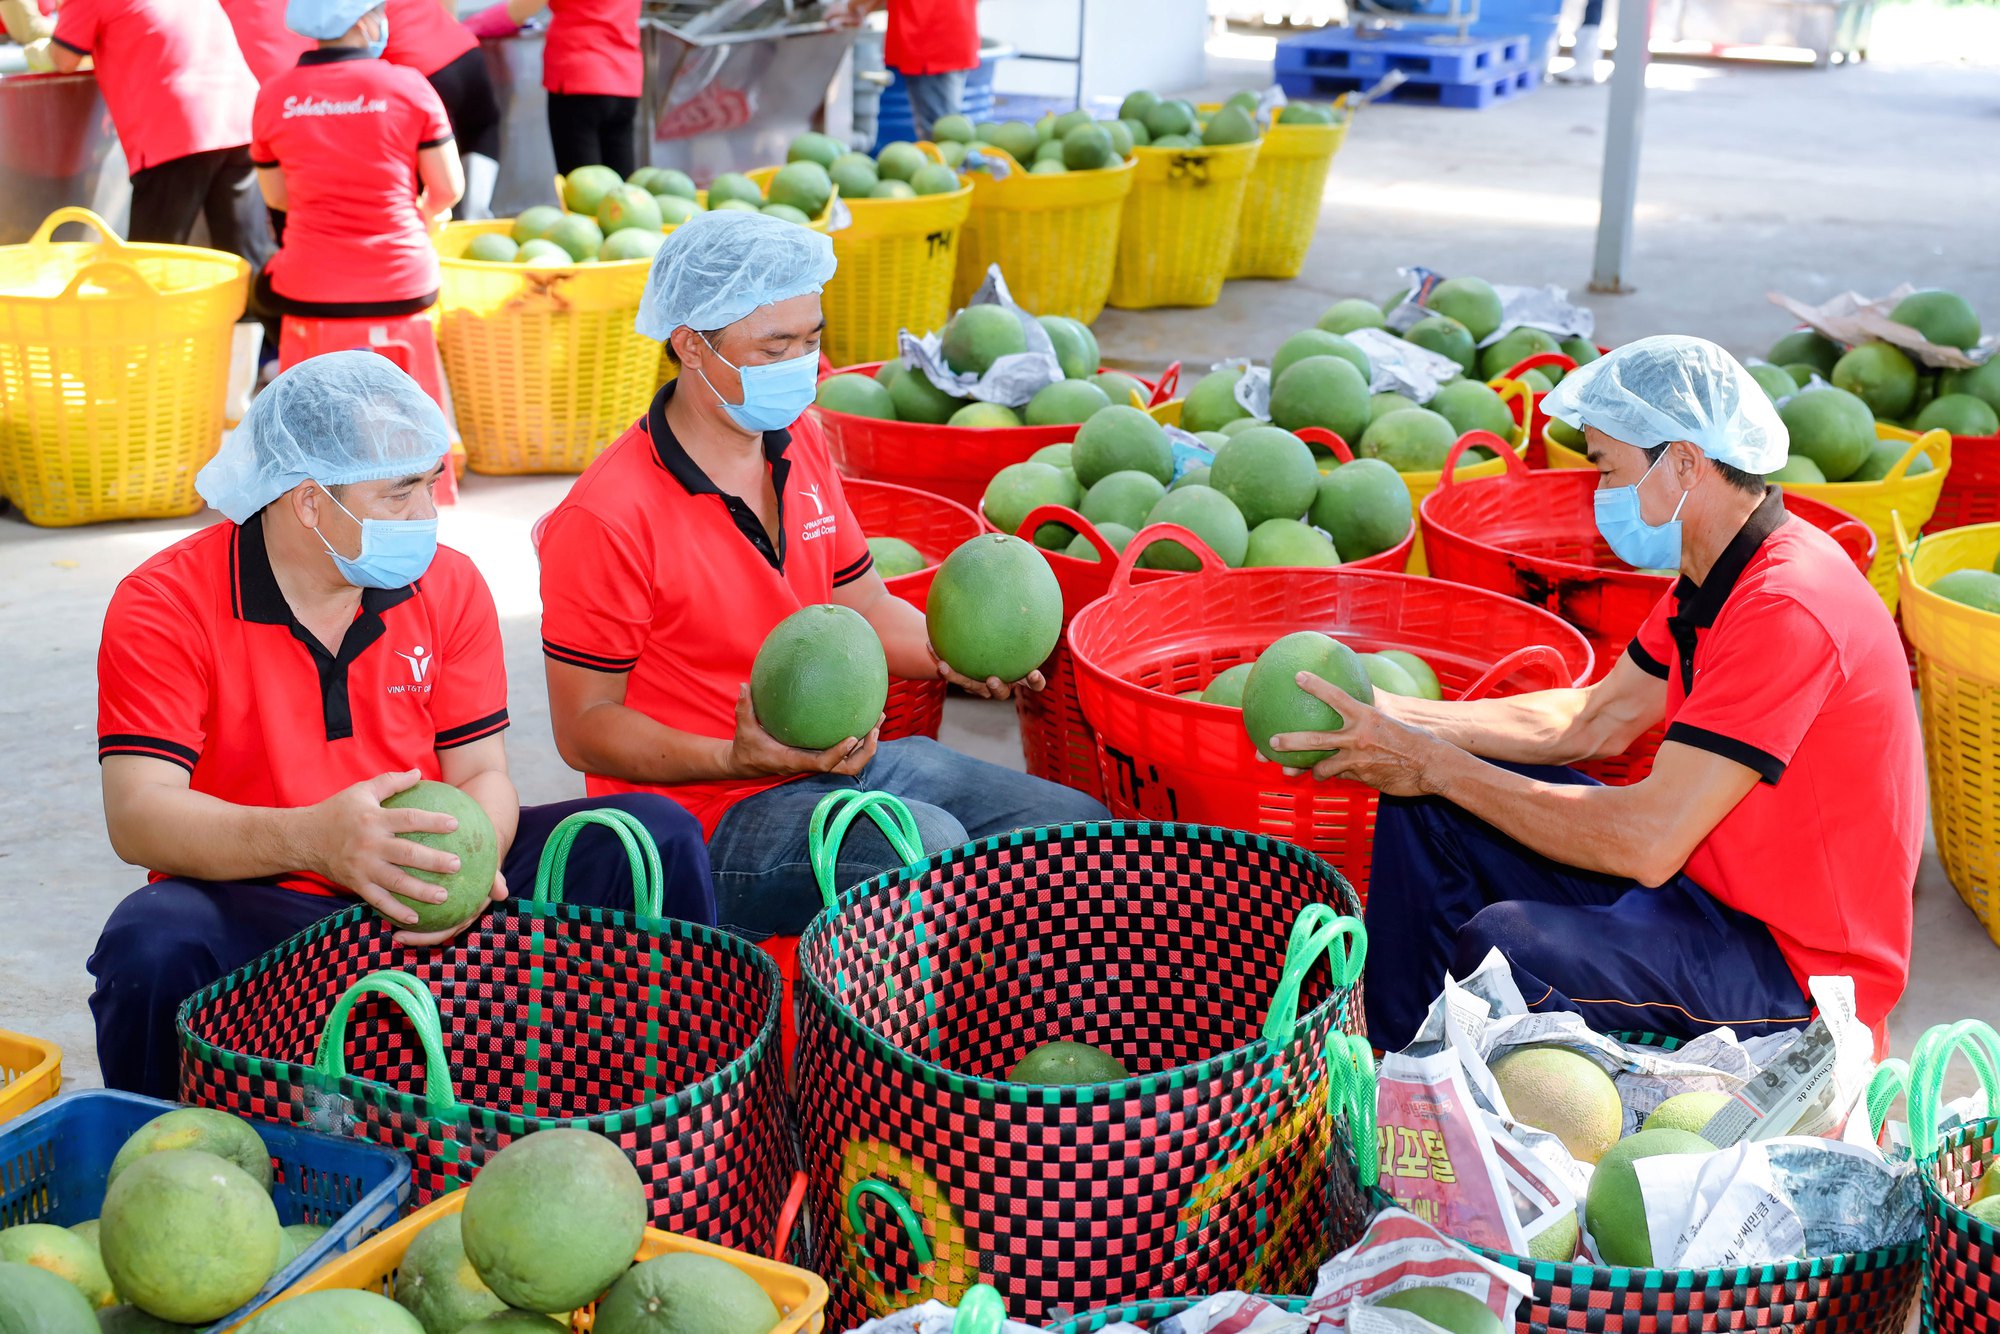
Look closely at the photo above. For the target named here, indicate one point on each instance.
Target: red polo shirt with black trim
(652, 572)
(203, 665)
(1785, 661)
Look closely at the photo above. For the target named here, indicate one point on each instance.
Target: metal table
(59, 148)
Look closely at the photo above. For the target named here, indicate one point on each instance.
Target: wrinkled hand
(992, 687)
(431, 939)
(757, 753)
(1374, 747)
(355, 842)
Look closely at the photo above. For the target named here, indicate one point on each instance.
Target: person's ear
(305, 500)
(688, 347)
(1687, 458)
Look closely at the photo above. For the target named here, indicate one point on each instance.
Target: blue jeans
(764, 880)
(174, 937)
(1447, 887)
(933, 97)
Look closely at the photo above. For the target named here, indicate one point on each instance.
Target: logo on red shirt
(420, 661)
(821, 526)
(320, 106)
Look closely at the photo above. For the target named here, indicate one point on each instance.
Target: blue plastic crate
(1343, 53)
(1503, 87)
(1540, 32)
(53, 1162)
(894, 120)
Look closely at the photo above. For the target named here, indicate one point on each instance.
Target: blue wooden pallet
(1501, 87)
(1344, 53)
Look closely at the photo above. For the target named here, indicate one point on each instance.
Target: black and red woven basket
(1187, 953)
(658, 1034)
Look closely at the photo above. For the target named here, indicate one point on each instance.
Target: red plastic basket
(1533, 536)
(1972, 488)
(1164, 757)
(935, 527)
(952, 461)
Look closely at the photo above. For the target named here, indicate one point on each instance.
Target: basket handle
(1350, 1091)
(1163, 388)
(913, 1228)
(72, 213)
(1068, 518)
(1519, 398)
(1539, 359)
(1319, 435)
(1529, 656)
(1981, 1047)
(836, 811)
(415, 1000)
(980, 1311)
(1128, 560)
(1315, 932)
(111, 273)
(1929, 440)
(1514, 465)
(788, 1216)
(641, 853)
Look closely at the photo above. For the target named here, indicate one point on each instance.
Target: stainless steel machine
(59, 148)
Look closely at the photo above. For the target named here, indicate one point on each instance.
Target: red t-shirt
(203, 665)
(424, 37)
(932, 36)
(347, 130)
(593, 47)
(1786, 661)
(173, 78)
(650, 571)
(269, 47)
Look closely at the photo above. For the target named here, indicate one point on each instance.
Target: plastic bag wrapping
(1253, 390)
(934, 1317)
(1400, 367)
(1547, 308)
(1011, 380)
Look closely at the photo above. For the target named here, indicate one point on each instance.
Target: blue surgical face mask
(394, 552)
(774, 394)
(1634, 541)
(375, 50)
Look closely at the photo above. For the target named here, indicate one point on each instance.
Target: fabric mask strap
(325, 491)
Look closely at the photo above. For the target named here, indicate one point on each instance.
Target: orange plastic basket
(951, 461)
(30, 1073)
(936, 527)
(1162, 757)
(799, 1295)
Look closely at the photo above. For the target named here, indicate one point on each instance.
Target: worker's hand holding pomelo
(432, 939)
(756, 753)
(356, 842)
(1370, 746)
(990, 688)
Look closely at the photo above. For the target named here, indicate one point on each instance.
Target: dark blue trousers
(1447, 887)
(174, 937)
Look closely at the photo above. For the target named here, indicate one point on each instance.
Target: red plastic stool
(409, 341)
(785, 951)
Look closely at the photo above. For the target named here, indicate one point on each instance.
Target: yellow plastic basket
(1178, 233)
(30, 1073)
(1281, 207)
(799, 1295)
(1958, 674)
(897, 259)
(114, 372)
(1055, 237)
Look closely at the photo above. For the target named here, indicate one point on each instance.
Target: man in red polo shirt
(931, 44)
(266, 682)
(1777, 837)
(594, 74)
(689, 539)
(427, 36)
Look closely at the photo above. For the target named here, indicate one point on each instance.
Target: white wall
(1127, 44)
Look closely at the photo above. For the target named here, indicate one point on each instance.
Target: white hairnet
(326, 19)
(715, 268)
(1672, 387)
(336, 418)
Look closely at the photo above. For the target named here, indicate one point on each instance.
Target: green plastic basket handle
(415, 1000)
(648, 880)
(1924, 1079)
(1350, 1091)
(1315, 931)
(981, 1311)
(913, 1227)
(831, 818)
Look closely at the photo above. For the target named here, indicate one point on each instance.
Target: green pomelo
(533, 223)
(1556, 1243)
(1389, 306)
(1210, 516)
(1881, 376)
(1381, 405)
(1797, 468)
(1075, 345)
(474, 843)
(646, 178)
(1088, 148)
(1884, 455)
(1979, 589)
(1472, 405)
(1058, 126)
(437, 1284)
(626, 206)
(1449, 1309)
(1137, 129)
(1565, 435)
(1288, 542)
(1267, 473)
(854, 176)
(1056, 456)
(1246, 98)
(1538, 379)
(1942, 317)
(585, 188)
(517, 1322)
(935, 178)
(1470, 301)
(1419, 671)
(1119, 387)
(335, 1311)
(1327, 392)
(1067, 1063)
(856, 395)
(892, 190)
(895, 558)
(985, 416)
(978, 336)
(674, 183)
(556, 1216)
(1121, 138)
(1214, 440)
(1566, 1094)
(492, 248)
(1802, 374)
(812, 146)
(1065, 403)
(34, 1301)
(1775, 381)
(1227, 687)
(1364, 506)
(1615, 1211)
(803, 185)
(888, 371)
(230, 1138)
(1231, 125)
(71, 1258)
(1513, 348)
(953, 153)
(916, 399)
(1986, 1211)
(1687, 1111)
(1982, 382)
(579, 236)
(1018, 489)
(1050, 151)
(1231, 429)
(297, 1239)
(1316, 343)
(1830, 426)
(632, 244)
(87, 1229)
(1048, 167)
(1121, 439)
(126, 1320)
(1211, 403)
(1388, 676)
(1807, 346)
(1124, 498)
(1304, 113)
(820, 678)
(1579, 350)
(995, 609)
(1137, 104)
(734, 185)
(1343, 317)
(900, 161)
(1274, 704)
(680, 1293)
(1961, 414)
(1016, 137)
(957, 129)
(1168, 118)
(1446, 337)
(1196, 475)
(189, 1236)
(675, 210)
(1173, 141)
(1117, 534)
(1414, 441)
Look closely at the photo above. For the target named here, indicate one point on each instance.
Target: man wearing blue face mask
(265, 683)
(1777, 837)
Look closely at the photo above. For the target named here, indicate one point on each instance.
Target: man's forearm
(905, 636)
(620, 742)
(186, 833)
(1538, 728)
(496, 795)
(1612, 830)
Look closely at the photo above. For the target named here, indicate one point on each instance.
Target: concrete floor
(1800, 181)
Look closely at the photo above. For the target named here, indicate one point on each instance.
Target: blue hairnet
(326, 19)
(1672, 387)
(715, 268)
(336, 418)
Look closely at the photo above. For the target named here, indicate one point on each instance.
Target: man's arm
(1546, 726)
(271, 182)
(64, 59)
(479, 770)
(906, 639)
